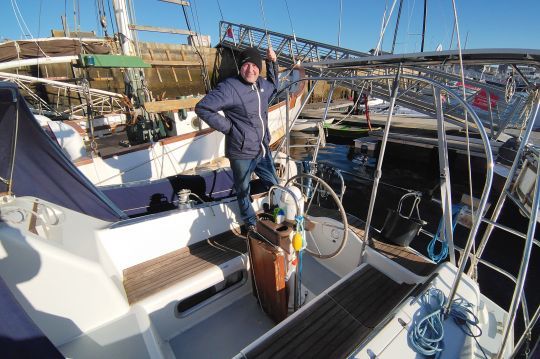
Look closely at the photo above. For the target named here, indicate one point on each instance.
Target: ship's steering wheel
(313, 189)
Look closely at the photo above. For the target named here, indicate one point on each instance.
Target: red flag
(230, 33)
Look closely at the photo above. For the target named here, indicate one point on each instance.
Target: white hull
(171, 156)
(69, 278)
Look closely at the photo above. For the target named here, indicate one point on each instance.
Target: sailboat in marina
(169, 283)
(81, 277)
(116, 140)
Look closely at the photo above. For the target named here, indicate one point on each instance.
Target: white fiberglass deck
(225, 333)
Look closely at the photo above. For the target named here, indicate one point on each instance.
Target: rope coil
(440, 237)
(427, 333)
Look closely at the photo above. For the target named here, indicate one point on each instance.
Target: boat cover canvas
(161, 195)
(40, 168)
(20, 337)
(20, 50)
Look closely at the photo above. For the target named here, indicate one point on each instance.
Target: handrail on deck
(478, 214)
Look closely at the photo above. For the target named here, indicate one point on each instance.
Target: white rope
(16, 6)
(224, 248)
(17, 12)
(18, 22)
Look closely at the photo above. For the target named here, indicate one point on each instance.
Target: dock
(412, 129)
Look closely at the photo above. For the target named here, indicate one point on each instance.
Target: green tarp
(109, 61)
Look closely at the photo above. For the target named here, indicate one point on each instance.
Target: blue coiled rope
(443, 253)
(426, 334)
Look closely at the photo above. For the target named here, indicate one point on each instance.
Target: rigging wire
(219, 7)
(102, 16)
(221, 39)
(195, 17)
(462, 74)
(74, 16)
(340, 17)
(79, 15)
(386, 21)
(397, 26)
(293, 32)
(411, 10)
(382, 25)
(204, 72)
(134, 34)
(265, 25)
(113, 19)
(99, 29)
(452, 37)
(66, 30)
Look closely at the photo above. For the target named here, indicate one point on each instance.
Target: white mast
(126, 37)
(124, 32)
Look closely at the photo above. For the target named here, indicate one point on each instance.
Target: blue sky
(483, 23)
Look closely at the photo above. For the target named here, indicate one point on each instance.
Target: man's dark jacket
(245, 106)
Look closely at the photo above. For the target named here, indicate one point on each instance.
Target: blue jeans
(242, 170)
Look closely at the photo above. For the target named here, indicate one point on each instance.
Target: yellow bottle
(297, 241)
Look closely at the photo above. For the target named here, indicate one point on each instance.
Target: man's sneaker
(251, 228)
(247, 228)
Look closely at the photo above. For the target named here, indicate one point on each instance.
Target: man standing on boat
(244, 102)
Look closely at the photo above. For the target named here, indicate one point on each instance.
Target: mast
(424, 26)
(125, 36)
(124, 32)
(397, 25)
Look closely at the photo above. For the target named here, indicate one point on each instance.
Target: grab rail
(478, 214)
